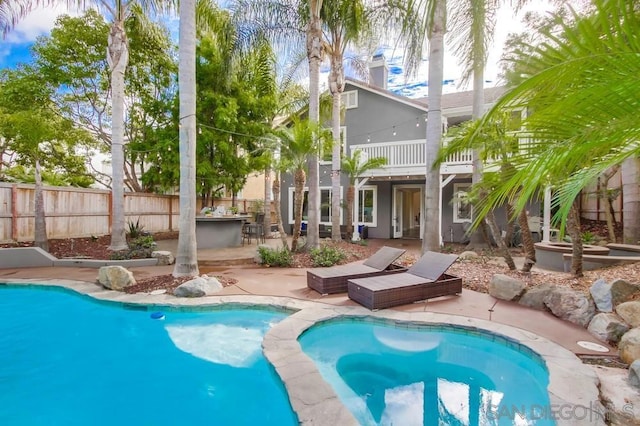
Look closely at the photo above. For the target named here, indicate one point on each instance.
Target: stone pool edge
(573, 386)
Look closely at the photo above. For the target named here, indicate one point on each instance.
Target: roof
(387, 93)
(465, 99)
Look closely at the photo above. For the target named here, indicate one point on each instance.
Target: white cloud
(40, 21)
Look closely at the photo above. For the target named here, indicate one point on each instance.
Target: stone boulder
(630, 312)
(620, 399)
(601, 294)
(629, 346)
(466, 255)
(115, 277)
(634, 373)
(164, 257)
(198, 287)
(534, 297)
(505, 287)
(570, 305)
(622, 291)
(608, 327)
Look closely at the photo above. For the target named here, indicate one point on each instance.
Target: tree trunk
(267, 201)
(187, 257)
(298, 182)
(40, 227)
(431, 221)
(527, 242)
(495, 232)
(631, 200)
(276, 201)
(336, 86)
(606, 198)
(573, 228)
(510, 229)
(351, 192)
(117, 58)
(314, 56)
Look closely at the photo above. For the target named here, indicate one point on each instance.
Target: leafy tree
(581, 92)
(38, 135)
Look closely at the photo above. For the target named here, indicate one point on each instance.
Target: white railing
(407, 154)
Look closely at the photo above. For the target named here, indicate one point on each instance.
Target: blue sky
(15, 48)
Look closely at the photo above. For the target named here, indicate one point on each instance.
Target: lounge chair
(334, 279)
(424, 280)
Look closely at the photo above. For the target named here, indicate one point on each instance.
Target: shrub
(327, 256)
(275, 257)
(135, 229)
(588, 237)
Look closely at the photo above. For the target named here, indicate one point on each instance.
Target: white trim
(374, 213)
(389, 95)
(456, 203)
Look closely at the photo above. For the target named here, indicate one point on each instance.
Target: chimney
(378, 71)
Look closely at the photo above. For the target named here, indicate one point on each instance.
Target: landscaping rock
(634, 373)
(534, 297)
(630, 312)
(621, 400)
(622, 291)
(505, 287)
(466, 255)
(570, 305)
(115, 277)
(198, 287)
(601, 293)
(164, 257)
(629, 346)
(608, 327)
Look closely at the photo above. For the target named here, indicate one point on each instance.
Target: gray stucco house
(383, 124)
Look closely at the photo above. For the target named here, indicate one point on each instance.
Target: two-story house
(390, 199)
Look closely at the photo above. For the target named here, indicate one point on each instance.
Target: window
(461, 207)
(327, 151)
(367, 201)
(350, 99)
(325, 205)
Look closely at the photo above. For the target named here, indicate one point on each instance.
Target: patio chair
(334, 279)
(424, 280)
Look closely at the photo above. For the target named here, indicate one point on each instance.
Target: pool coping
(573, 386)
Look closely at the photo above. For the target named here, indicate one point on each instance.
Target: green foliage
(327, 256)
(135, 229)
(275, 256)
(588, 237)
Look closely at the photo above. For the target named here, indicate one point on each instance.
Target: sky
(15, 49)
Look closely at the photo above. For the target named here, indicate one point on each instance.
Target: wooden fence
(77, 212)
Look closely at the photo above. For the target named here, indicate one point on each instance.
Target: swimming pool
(429, 375)
(68, 360)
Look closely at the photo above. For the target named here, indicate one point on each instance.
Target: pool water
(68, 360)
(441, 375)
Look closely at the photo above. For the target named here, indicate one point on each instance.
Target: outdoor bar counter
(219, 231)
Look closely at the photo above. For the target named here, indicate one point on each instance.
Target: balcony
(407, 158)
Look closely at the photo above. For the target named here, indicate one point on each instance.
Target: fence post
(110, 211)
(14, 212)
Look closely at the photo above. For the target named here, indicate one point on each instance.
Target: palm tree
(186, 255)
(582, 93)
(303, 139)
(118, 58)
(354, 167)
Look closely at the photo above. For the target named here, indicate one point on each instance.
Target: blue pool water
(437, 376)
(68, 360)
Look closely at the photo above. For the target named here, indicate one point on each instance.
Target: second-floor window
(350, 99)
(327, 152)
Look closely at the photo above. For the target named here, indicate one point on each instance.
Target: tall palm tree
(582, 93)
(186, 255)
(354, 167)
(118, 58)
(346, 22)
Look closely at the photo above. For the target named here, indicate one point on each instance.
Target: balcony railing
(405, 156)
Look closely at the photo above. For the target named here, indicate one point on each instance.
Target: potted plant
(233, 210)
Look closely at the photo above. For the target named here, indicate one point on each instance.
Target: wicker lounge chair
(334, 279)
(424, 280)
